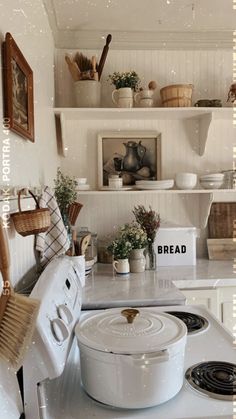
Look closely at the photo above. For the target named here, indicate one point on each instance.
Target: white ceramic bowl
(212, 177)
(211, 184)
(186, 180)
(81, 180)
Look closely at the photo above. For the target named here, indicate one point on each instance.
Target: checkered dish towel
(55, 241)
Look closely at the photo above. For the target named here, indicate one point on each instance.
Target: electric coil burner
(194, 322)
(216, 379)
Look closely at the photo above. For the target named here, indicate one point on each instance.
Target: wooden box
(222, 220)
(221, 249)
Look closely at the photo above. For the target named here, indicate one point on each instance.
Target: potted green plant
(137, 237)
(125, 84)
(65, 193)
(120, 248)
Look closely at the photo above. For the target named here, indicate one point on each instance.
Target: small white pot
(123, 97)
(121, 266)
(132, 365)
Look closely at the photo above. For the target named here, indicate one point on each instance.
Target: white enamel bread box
(175, 245)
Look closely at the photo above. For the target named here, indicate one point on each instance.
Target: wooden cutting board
(222, 220)
(221, 249)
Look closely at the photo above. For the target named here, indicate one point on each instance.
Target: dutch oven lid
(130, 331)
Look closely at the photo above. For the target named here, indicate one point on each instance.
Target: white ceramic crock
(131, 365)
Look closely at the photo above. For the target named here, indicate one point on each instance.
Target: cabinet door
(227, 316)
(208, 298)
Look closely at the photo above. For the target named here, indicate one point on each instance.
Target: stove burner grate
(216, 379)
(194, 322)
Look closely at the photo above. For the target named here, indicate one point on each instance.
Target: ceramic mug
(121, 266)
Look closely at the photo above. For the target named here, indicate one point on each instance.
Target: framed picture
(134, 155)
(18, 90)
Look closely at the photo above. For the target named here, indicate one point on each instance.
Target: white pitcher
(121, 266)
(123, 97)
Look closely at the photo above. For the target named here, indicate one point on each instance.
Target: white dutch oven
(130, 358)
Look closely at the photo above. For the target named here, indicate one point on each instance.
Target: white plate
(154, 182)
(108, 188)
(154, 187)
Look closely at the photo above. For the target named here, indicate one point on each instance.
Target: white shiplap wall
(211, 74)
(209, 71)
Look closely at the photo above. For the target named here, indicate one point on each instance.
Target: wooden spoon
(73, 68)
(95, 73)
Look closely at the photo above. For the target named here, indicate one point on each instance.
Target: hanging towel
(55, 241)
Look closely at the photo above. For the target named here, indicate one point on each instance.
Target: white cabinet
(206, 297)
(220, 301)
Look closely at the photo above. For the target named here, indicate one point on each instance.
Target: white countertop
(206, 274)
(104, 289)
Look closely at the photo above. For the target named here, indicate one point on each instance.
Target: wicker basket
(31, 222)
(177, 95)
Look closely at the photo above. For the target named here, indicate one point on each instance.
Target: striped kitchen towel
(55, 241)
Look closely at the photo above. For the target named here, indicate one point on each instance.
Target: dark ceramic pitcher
(134, 156)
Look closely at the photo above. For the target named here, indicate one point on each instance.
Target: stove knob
(65, 314)
(60, 330)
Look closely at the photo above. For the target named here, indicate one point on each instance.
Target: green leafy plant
(65, 191)
(125, 79)
(135, 235)
(149, 220)
(120, 248)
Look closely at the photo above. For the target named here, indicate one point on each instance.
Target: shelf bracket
(61, 134)
(205, 207)
(204, 125)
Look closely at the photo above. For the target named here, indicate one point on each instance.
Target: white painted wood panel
(210, 72)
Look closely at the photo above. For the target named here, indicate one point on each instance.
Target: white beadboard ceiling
(85, 23)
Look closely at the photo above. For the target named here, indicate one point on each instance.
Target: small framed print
(18, 90)
(134, 155)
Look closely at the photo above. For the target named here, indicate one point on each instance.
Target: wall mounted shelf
(202, 116)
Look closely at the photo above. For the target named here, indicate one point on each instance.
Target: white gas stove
(53, 387)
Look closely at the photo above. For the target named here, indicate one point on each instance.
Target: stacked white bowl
(82, 184)
(212, 180)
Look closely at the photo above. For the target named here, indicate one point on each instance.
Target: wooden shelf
(201, 116)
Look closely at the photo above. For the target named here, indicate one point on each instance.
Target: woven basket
(177, 95)
(31, 222)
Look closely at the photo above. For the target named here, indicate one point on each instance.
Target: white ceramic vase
(137, 261)
(121, 266)
(123, 97)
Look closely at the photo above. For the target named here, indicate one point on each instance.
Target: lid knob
(130, 314)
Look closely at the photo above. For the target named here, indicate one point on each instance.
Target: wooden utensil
(84, 243)
(95, 73)
(73, 68)
(73, 212)
(18, 313)
(104, 56)
(76, 248)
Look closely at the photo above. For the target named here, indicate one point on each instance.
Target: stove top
(215, 379)
(65, 397)
(194, 322)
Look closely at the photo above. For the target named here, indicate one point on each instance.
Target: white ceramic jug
(121, 266)
(123, 97)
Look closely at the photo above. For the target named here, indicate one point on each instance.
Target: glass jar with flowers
(138, 239)
(125, 83)
(120, 248)
(149, 220)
